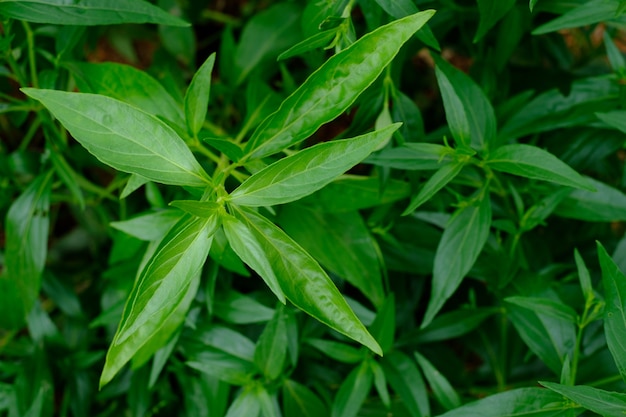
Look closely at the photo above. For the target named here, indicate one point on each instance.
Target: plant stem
(30, 39)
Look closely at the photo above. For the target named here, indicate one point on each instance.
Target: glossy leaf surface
(124, 137)
(605, 403)
(197, 96)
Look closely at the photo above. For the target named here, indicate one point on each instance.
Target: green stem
(30, 40)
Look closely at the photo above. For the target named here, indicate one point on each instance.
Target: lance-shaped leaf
(298, 400)
(412, 156)
(460, 245)
(330, 90)
(605, 403)
(587, 13)
(440, 179)
(303, 281)
(406, 380)
(532, 162)
(160, 289)
(443, 390)
(535, 402)
(127, 84)
(124, 137)
(614, 282)
(307, 171)
(490, 12)
(271, 348)
(87, 12)
(469, 113)
(27, 225)
(197, 96)
(353, 392)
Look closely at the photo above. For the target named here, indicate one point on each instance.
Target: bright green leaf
(124, 137)
(303, 281)
(149, 226)
(307, 171)
(584, 276)
(319, 40)
(160, 289)
(87, 12)
(197, 208)
(246, 404)
(331, 89)
(520, 402)
(197, 96)
(532, 162)
(605, 403)
(127, 84)
(461, 243)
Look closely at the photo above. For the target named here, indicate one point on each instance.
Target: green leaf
(227, 340)
(68, 175)
(353, 392)
(27, 225)
(614, 119)
(380, 382)
(160, 289)
(337, 351)
(605, 403)
(412, 156)
(299, 401)
(149, 226)
(606, 204)
(265, 36)
(469, 113)
(127, 84)
(555, 309)
(614, 282)
(349, 193)
(384, 326)
(222, 366)
(87, 12)
(588, 13)
(240, 309)
(532, 162)
(341, 242)
(461, 243)
(402, 8)
(319, 40)
(490, 12)
(450, 325)
(303, 281)
(124, 137)
(531, 4)
(197, 208)
(436, 182)
(246, 404)
(134, 182)
(549, 338)
(271, 348)
(251, 251)
(584, 276)
(613, 53)
(444, 392)
(330, 90)
(307, 171)
(407, 382)
(535, 402)
(197, 96)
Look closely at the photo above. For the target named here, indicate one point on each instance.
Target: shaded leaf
(490, 12)
(605, 403)
(606, 204)
(436, 182)
(444, 392)
(353, 392)
(412, 156)
(588, 13)
(406, 380)
(300, 401)
(271, 348)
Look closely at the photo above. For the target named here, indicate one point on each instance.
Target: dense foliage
(313, 208)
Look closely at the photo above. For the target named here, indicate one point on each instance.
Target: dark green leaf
(240, 309)
(453, 324)
(551, 308)
(197, 96)
(436, 182)
(614, 282)
(469, 113)
(605, 403)
(461, 243)
(341, 242)
(380, 382)
(588, 13)
(614, 54)
(27, 225)
(303, 281)
(319, 40)
(384, 326)
(299, 401)
(412, 156)
(353, 392)
(271, 348)
(535, 402)
(227, 340)
(127, 84)
(407, 382)
(490, 12)
(87, 12)
(223, 366)
(401, 8)
(614, 119)
(532, 162)
(584, 276)
(197, 208)
(331, 89)
(444, 392)
(337, 351)
(160, 289)
(124, 137)
(606, 204)
(307, 171)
